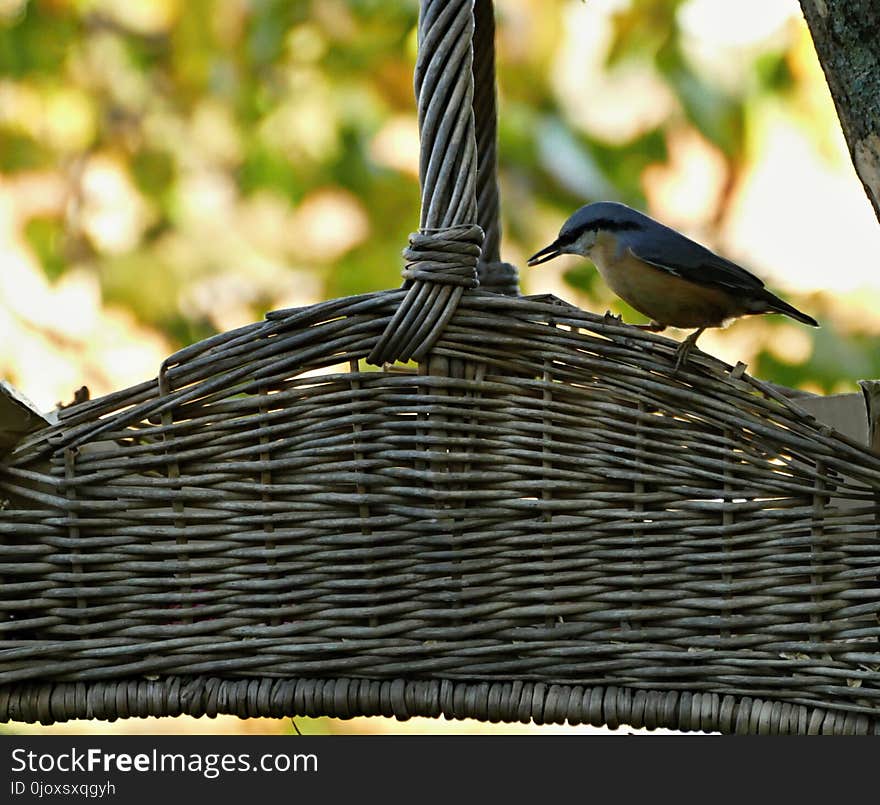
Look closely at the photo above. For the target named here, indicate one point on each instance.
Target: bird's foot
(685, 348)
(681, 355)
(610, 318)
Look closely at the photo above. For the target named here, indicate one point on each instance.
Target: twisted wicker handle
(443, 256)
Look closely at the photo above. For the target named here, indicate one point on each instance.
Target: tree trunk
(846, 34)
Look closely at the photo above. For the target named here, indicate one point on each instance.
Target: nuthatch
(663, 274)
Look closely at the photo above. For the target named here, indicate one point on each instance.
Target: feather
(671, 251)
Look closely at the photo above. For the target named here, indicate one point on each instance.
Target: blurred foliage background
(170, 169)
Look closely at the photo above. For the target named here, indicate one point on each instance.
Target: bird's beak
(547, 253)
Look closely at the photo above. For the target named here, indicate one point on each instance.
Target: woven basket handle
(494, 274)
(444, 256)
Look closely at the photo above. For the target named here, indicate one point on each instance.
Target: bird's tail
(777, 305)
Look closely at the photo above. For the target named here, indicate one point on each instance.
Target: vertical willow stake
(486, 129)
(494, 274)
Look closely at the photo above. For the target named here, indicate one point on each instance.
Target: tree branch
(845, 33)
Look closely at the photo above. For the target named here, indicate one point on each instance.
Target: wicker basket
(536, 520)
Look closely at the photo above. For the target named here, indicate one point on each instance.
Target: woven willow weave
(555, 516)
(539, 521)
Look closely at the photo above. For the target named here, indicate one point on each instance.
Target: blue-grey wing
(670, 251)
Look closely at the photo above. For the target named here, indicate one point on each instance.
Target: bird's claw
(681, 356)
(610, 318)
(685, 348)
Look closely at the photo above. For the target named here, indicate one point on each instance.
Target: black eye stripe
(614, 226)
(602, 223)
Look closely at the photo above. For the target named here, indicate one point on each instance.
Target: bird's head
(580, 232)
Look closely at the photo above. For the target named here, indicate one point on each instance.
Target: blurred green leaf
(624, 164)
(264, 168)
(154, 171)
(45, 236)
(583, 278)
(641, 29)
(40, 40)
(773, 72)
(19, 152)
(718, 115)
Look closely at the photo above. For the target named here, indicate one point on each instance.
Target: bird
(671, 279)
